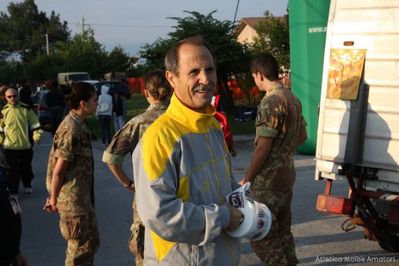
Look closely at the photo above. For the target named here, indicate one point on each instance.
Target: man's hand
(242, 182)
(37, 135)
(236, 217)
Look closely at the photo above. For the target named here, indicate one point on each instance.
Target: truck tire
(390, 243)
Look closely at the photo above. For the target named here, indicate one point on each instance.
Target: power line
(124, 25)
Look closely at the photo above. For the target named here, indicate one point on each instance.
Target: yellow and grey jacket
(182, 175)
(17, 120)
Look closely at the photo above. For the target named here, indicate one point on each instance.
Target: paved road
(319, 238)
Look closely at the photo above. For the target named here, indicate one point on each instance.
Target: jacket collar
(278, 86)
(158, 106)
(195, 121)
(18, 104)
(75, 117)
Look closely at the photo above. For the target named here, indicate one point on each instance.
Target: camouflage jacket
(126, 139)
(279, 116)
(72, 142)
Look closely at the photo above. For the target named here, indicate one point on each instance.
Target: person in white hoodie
(104, 114)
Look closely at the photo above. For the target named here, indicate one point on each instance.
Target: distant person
(157, 92)
(15, 127)
(3, 101)
(25, 93)
(285, 78)
(118, 111)
(10, 223)
(181, 170)
(25, 96)
(280, 129)
(55, 104)
(104, 114)
(70, 177)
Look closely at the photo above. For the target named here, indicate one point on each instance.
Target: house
(246, 32)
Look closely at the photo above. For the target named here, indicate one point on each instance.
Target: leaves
(231, 57)
(23, 29)
(22, 38)
(273, 38)
(84, 53)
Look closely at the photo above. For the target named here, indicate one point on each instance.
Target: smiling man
(182, 170)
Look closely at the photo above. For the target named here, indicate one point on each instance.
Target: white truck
(358, 134)
(66, 78)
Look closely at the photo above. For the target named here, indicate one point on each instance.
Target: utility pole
(83, 25)
(47, 44)
(235, 14)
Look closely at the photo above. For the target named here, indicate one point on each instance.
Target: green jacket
(17, 120)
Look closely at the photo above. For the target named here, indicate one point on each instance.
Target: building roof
(250, 21)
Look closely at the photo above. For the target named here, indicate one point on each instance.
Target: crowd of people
(181, 154)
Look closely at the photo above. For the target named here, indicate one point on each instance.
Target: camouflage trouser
(278, 247)
(136, 241)
(82, 238)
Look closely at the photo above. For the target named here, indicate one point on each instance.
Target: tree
(23, 29)
(273, 38)
(44, 67)
(231, 57)
(154, 53)
(84, 53)
(10, 71)
(117, 60)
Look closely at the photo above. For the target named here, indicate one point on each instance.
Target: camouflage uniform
(122, 143)
(75, 202)
(280, 117)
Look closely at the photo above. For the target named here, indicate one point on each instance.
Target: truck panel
(374, 26)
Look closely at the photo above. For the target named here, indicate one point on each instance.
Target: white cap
(257, 216)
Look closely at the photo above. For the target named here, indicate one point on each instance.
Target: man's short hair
(267, 65)
(172, 56)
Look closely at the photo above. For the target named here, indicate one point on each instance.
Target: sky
(133, 23)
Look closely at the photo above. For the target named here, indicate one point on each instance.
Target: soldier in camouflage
(157, 92)
(70, 178)
(280, 129)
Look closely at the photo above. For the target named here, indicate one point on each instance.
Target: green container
(308, 26)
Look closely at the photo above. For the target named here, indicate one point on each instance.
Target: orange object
(334, 204)
(136, 84)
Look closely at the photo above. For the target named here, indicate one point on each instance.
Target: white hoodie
(104, 105)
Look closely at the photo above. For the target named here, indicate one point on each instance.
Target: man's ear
(170, 76)
(260, 76)
(146, 94)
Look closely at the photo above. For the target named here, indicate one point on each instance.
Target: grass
(137, 104)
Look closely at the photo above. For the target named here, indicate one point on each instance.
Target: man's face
(11, 96)
(195, 82)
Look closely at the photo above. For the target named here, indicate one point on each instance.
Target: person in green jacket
(18, 118)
